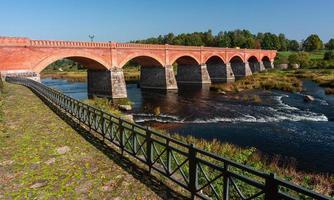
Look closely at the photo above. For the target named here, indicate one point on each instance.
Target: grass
(274, 79)
(285, 80)
(315, 55)
(42, 157)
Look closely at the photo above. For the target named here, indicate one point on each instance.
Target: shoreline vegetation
(285, 80)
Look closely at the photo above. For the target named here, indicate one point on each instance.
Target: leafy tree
(330, 44)
(301, 58)
(294, 45)
(270, 41)
(329, 55)
(223, 40)
(283, 42)
(312, 43)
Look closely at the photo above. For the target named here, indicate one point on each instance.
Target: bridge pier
(105, 83)
(193, 74)
(241, 70)
(255, 66)
(262, 67)
(268, 64)
(221, 73)
(155, 77)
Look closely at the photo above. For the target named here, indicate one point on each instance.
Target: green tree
(330, 44)
(312, 43)
(208, 38)
(223, 40)
(270, 41)
(294, 45)
(301, 58)
(283, 42)
(250, 43)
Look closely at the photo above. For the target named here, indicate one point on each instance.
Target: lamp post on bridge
(91, 37)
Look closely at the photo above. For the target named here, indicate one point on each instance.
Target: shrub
(301, 58)
(329, 55)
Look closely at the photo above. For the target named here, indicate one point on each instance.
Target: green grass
(315, 55)
(285, 80)
(274, 79)
(31, 166)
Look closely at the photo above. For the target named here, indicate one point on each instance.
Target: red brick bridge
(105, 60)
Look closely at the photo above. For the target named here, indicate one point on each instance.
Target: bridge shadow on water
(162, 189)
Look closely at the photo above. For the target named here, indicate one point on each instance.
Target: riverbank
(42, 157)
(284, 80)
(284, 167)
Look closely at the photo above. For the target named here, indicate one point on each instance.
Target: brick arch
(236, 55)
(155, 58)
(175, 58)
(264, 57)
(253, 56)
(248, 56)
(214, 55)
(83, 58)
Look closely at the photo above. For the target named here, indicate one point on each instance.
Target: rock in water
(308, 98)
(125, 107)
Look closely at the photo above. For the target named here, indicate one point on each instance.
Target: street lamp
(91, 37)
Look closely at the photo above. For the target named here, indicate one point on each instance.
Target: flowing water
(282, 123)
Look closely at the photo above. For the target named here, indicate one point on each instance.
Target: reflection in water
(282, 123)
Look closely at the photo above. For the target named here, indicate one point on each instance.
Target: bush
(301, 58)
(329, 55)
(281, 60)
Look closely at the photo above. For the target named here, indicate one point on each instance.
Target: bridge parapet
(23, 41)
(14, 41)
(50, 43)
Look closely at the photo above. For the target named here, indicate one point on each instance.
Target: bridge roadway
(105, 62)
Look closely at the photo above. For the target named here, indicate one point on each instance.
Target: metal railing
(205, 175)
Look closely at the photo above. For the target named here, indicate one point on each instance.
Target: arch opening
(190, 71)
(84, 69)
(218, 71)
(238, 67)
(149, 73)
(267, 63)
(254, 64)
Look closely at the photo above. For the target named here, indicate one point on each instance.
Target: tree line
(241, 39)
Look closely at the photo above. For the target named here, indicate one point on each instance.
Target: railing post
(226, 189)
(149, 155)
(193, 175)
(169, 161)
(271, 188)
(121, 136)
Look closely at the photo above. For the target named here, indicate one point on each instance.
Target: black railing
(205, 175)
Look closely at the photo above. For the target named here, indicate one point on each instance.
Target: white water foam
(283, 112)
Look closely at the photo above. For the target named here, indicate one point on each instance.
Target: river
(281, 124)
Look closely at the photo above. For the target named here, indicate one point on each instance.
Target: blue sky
(124, 20)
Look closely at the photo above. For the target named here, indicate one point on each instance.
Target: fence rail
(205, 175)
